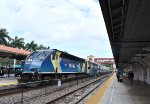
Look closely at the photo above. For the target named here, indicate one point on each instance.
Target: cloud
(75, 26)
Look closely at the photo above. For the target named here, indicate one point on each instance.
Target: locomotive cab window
(51, 57)
(40, 57)
(29, 58)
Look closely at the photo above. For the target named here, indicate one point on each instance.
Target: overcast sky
(75, 26)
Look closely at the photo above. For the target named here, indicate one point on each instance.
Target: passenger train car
(48, 64)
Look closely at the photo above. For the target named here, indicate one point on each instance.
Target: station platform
(114, 92)
(6, 81)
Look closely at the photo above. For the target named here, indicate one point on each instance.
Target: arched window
(90, 59)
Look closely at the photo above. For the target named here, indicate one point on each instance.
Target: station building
(102, 61)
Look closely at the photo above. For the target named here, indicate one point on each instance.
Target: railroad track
(89, 92)
(8, 91)
(16, 89)
(77, 95)
(33, 95)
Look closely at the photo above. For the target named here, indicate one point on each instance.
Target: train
(53, 63)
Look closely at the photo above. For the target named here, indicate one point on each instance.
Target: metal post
(14, 63)
(86, 78)
(70, 82)
(22, 94)
(46, 87)
(59, 82)
(77, 80)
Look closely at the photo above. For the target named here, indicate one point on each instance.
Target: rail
(32, 90)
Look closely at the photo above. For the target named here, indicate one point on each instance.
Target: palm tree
(4, 38)
(48, 47)
(41, 47)
(18, 43)
(32, 46)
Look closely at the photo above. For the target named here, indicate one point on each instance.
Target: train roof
(42, 50)
(69, 56)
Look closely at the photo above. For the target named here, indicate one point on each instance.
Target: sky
(75, 26)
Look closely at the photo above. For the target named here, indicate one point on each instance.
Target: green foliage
(32, 46)
(41, 47)
(19, 42)
(4, 37)
(109, 65)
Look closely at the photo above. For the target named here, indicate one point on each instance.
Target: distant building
(90, 58)
(102, 61)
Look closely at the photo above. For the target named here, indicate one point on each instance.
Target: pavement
(7, 81)
(114, 92)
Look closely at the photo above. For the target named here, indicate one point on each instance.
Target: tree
(32, 46)
(41, 47)
(18, 43)
(48, 47)
(110, 66)
(4, 37)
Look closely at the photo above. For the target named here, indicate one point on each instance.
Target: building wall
(148, 75)
(90, 58)
(142, 72)
(136, 73)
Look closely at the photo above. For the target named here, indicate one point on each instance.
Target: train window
(40, 57)
(51, 57)
(29, 58)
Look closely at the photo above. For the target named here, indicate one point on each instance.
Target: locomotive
(50, 64)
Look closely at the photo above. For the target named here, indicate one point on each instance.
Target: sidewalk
(126, 93)
(8, 81)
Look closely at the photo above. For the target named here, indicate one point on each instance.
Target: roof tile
(14, 50)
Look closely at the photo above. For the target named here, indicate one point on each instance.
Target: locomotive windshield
(31, 57)
(42, 56)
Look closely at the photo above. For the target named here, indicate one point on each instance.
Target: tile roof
(13, 50)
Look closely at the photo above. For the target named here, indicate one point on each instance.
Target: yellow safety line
(98, 95)
(7, 84)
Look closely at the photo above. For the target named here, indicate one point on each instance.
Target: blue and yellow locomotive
(48, 64)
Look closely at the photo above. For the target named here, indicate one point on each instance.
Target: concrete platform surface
(126, 93)
(8, 81)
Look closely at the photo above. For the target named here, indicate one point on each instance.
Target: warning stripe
(98, 95)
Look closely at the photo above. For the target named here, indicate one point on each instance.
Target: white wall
(147, 80)
(142, 72)
(136, 73)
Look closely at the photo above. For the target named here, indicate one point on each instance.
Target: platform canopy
(128, 27)
(13, 53)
